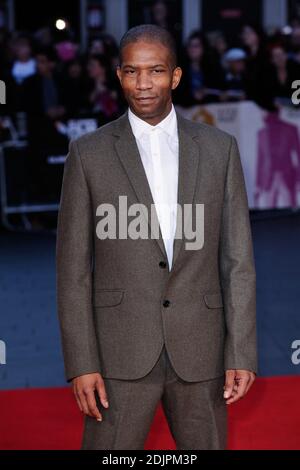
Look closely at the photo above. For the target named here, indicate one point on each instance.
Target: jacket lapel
(187, 175)
(130, 159)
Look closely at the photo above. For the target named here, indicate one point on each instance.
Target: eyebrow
(150, 67)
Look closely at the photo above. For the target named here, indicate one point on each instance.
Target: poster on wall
(269, 145)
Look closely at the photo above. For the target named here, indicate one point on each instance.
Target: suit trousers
(196, 412)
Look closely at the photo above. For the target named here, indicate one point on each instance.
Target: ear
(118, 72)
(177, 73)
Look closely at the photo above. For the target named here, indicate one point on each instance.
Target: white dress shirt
(158, 148)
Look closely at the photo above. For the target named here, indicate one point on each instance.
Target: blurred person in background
(201, 72)
(164, 14)
(160, 14)
(253, 41)
(43, 103)
(74, 85)
(43, 37)
(280, 76)
(234, 62)
(105, 44)
(24, 65)
(97, 47)
(65, 45)
(218, 44)
(251, 37)
(66, 50)
(42, 90)
(102, 98)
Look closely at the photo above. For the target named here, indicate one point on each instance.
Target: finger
(250, 383)
(102, 393)
(232, 399)
(78, 401)
(91, 401)
(242, 385)
(83, 402)
(229, 383)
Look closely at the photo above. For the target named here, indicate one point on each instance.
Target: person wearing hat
(234, 63)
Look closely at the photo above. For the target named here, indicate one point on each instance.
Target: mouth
(146, 99)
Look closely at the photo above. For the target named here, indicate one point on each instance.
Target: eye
(158, 70)
(129, 71)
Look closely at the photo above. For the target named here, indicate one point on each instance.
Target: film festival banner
(269, 145)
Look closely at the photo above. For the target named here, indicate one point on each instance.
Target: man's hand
(238, 382)
(84, 388)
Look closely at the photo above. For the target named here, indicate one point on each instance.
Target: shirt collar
(139, 126)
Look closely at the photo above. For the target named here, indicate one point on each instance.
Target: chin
(149, 112)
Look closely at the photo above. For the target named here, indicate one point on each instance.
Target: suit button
(166, 303)
(162, 264)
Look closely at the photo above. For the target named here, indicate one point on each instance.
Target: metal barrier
(72, 128)
(22, 209)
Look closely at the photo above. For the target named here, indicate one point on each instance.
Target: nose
(144, 81)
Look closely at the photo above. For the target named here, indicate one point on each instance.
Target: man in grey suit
(143, 317)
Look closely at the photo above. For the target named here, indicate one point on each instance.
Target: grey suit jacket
(111, 293)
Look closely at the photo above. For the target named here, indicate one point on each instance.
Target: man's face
(147, 79)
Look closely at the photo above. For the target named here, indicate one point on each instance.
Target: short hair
(150, 33)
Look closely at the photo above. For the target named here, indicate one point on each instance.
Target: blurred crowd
(256, 66)
(50, 80)
(49, 76)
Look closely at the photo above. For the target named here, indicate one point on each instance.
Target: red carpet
(268, 418)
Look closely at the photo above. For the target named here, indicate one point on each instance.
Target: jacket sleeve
(74, 254)
(237, 270)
